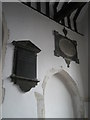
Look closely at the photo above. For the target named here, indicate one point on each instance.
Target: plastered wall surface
(56, 103)
(0, 56)
(26, 24)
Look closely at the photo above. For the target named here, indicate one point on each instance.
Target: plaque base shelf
(25, 84)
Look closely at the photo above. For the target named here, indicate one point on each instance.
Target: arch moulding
(72, 87)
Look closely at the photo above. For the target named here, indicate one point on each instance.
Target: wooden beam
(25, 3)
(64, 5)
(76, 16)
(28, 4)
(55, 4)
(47, 9)
(55, 8)
(67, 10)
(63, 22)
(38, 6)
(52, 18)
(68, 20)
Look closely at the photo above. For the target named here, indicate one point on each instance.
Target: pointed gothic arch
(70, 85)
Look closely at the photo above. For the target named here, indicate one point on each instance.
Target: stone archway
(70, 85)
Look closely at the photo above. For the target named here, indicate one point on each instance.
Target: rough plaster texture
(5, 38)
(40, 105)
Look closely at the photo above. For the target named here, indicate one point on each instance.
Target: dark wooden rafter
(76, 16)
(47, 9)
(63, 22)
(67, 10)
(29, 4)
(55, 8)
(38, 6)
(68, 20)
(64, 5)
(68, 17)
(25, 3)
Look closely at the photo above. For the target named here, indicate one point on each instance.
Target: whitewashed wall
(58, 101)
(0, 56)
(26, 24)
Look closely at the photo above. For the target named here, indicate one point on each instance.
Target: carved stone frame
(58, 52)
(24, 83)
